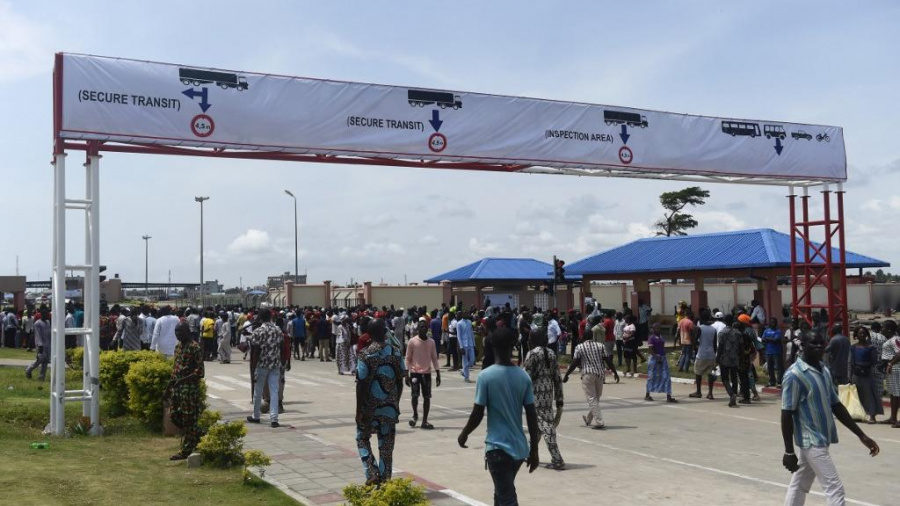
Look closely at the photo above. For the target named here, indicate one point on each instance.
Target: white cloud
(375, 251)
(719, 221)
(25, 46)
(252, 241)
(483, 248)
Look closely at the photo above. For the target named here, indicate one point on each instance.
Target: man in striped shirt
(809, 405)
(592, 358)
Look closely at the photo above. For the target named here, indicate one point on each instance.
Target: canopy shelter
(761, 254)
(513, 277)
(103, 104)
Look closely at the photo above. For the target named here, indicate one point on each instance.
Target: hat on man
(719, 315)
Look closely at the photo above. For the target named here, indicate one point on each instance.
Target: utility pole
(296, 241)
(146, 265)
(201, 200)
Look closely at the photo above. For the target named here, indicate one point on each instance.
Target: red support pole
(843, 252)
(807, 269)
(829, 264)
(792, 205)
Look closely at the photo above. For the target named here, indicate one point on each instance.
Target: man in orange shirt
(421, 358)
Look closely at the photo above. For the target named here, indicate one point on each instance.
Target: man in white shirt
(164, 339)
(758, 313)
(718, 324)
(553, 332)
(147, 316)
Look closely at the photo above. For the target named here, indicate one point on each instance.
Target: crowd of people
(385, 349)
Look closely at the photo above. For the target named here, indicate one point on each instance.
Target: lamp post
(201, 200)
(296, 242)
(146, 266)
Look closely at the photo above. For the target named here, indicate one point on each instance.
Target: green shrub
(75, 358)
(396, 492)
(208, 419)
(114, 366)
(255, 459)
(222, 445)
(146, 381)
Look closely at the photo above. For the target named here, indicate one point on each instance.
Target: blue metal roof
(759, 248)
(500, 269)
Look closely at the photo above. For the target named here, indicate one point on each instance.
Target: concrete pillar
(641, 292)
(699, 298)
(447, 289)
(734, 294)
(624, 296)
(663, 309)
(19, 300)
(367, 292)
(289, 293)
(478, 299)
(326, 287)
(768, 294)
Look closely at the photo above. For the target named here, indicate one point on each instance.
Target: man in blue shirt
(466, 335)
(772, 337)
(299, 337)
(809, 405)
(380, 372)
(504, 390)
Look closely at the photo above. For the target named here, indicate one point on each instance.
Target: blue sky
(824, 62)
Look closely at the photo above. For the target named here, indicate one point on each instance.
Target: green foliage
(75, 358)
(396, 492)
(208, 419)
(146, 381)
(255, 459)
(222, 445)
(80, 427)
(676, 222)
(114, 366)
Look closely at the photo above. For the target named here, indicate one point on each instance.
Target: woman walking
(223, 332)
(863, 359)
(630, 344)
(540, 364)
(658, 379)
(342, 345)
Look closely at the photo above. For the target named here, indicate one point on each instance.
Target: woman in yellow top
(208, 336)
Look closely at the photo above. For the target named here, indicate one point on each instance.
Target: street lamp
(146, 265)
(296, 251)
(201, 200)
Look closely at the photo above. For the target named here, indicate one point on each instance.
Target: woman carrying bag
(863, 359)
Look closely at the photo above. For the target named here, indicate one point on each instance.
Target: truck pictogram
(421, 98)
(224, 80)
(624, 118)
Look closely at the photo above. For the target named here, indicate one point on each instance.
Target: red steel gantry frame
(815, 266)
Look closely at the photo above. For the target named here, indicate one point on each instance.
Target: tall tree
(675, 222)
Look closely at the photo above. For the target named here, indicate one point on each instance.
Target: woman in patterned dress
(540, 364)
(890, 353)
(184, 390)
(658, 379)
(342, 346)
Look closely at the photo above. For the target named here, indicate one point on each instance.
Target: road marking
(211, 396)
(464, 498)
(218, 386)
(323, 380)
(301, 382)
(324, 442)
(234, 381)
(702, 468)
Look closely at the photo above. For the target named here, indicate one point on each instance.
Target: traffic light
(559, 271)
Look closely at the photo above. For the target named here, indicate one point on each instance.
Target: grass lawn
(16, 353)
(128, 464)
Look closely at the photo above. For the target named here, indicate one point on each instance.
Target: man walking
(592, 358)
(772, 337)
(504, 390)
(809, 405)
(164, 338)
(298, 329)
(421, 358)
(705, 363)
(465, 333)
(270, 341)
(323, 334)
(380, 372)
(42, 341)
(728, 356)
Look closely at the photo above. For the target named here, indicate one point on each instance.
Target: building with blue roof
(515, 280)
(761, 254)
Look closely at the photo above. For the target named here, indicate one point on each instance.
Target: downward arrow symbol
(436, 120)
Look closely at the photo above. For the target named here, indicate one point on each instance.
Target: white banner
(177, 105)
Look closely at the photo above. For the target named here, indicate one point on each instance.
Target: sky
(820, 62)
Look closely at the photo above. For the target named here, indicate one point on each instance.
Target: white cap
(719, 315)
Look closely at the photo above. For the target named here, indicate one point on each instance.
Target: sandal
(178, 456)
(427, 426)
(710, 396)
(672, 400)
(695, 395)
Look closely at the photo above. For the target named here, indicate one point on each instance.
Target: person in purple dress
(658, 379)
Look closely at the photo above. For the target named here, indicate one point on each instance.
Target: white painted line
(320, 379)
(211, 396)
(464, 498)
(326, 443)
(298, 381)
(234, 381)
(218, 386)
(702, 468)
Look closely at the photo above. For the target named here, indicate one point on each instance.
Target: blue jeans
(468, 360)
(272, 377)
(774, 361)
(684, 361)
(503, 469)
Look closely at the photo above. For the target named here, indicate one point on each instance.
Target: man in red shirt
(610, 325)
(686, 333)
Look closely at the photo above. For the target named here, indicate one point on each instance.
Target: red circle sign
(202, 125)
(625, 155)
(437, 142)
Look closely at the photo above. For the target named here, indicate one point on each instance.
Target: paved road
(695, 452)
